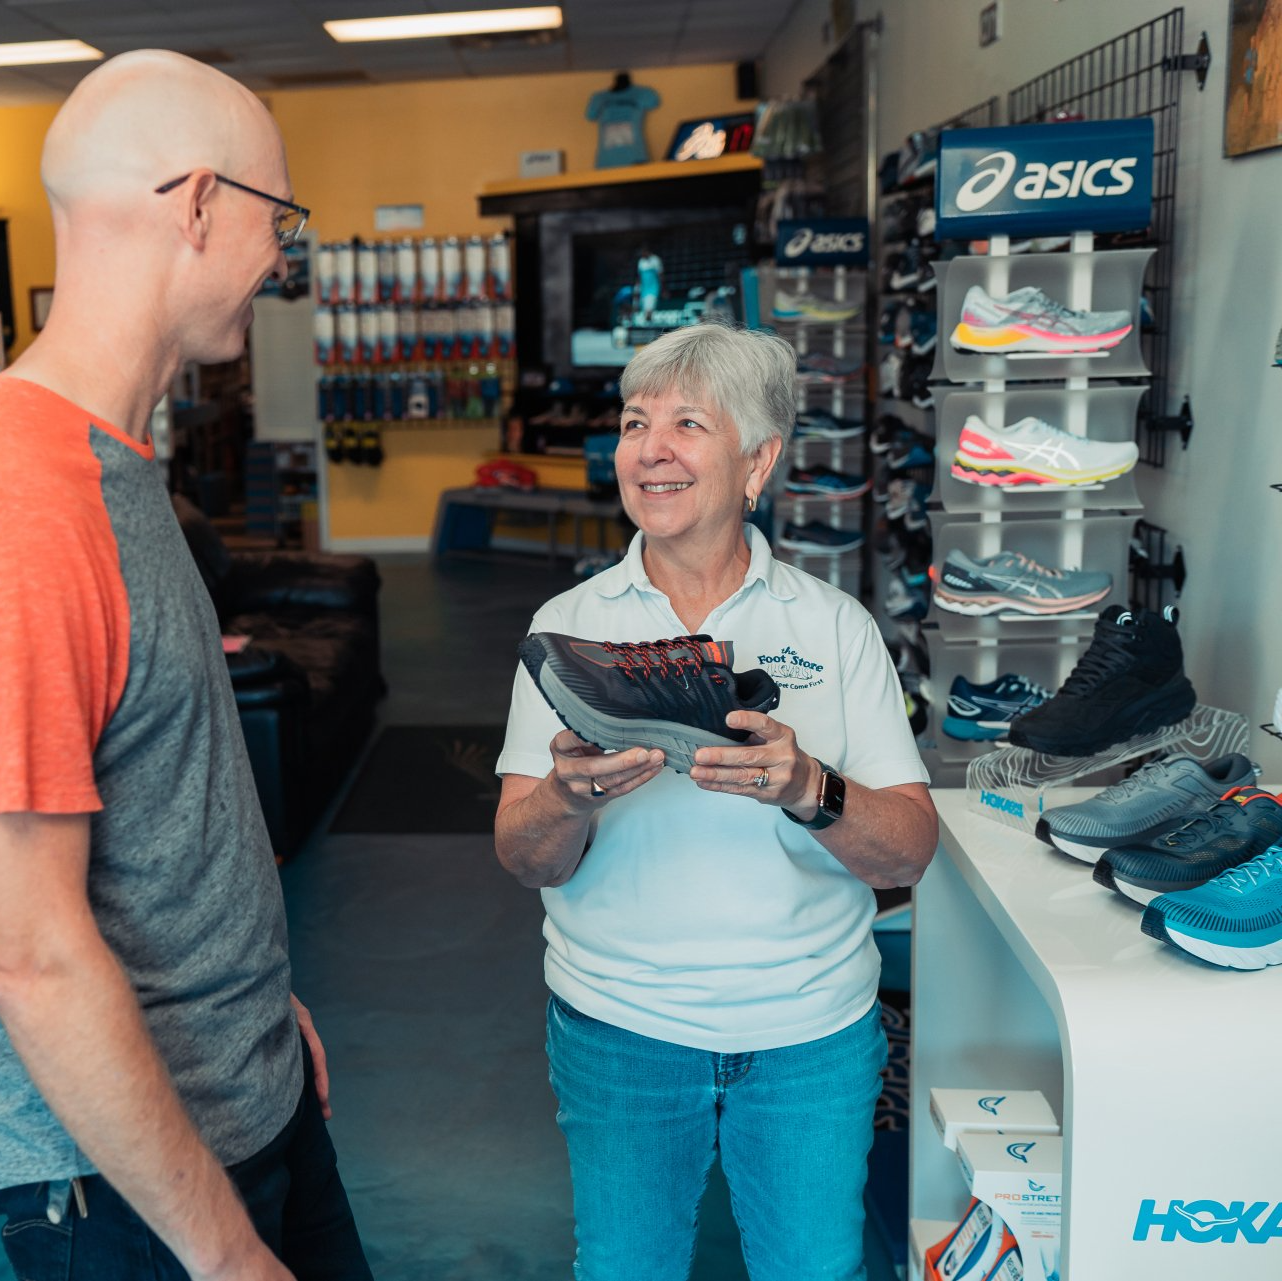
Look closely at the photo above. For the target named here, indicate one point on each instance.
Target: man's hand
(317, 1051)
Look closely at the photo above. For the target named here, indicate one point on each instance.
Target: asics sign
(1045, 179)
(823, 242)
(1065, 178)
(1204, 1222)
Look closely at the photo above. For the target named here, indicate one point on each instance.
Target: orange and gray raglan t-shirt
(115, 701)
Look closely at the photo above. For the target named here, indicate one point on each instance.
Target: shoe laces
(663, 658)
(1109, 652)
(1243, 879)
(1054, 307)
(1029, 563)
(1201, 826)
(1140, 779)
(1032, 691)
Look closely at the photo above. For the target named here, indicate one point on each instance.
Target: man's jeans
(644, 1119)
(291, 1189)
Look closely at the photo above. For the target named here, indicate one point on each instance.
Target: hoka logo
(1065, 178)
(992, 1103)
(1007, 806)
(1020, 1151)
(1204, 1222)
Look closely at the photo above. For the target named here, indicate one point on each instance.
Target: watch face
(832, 794)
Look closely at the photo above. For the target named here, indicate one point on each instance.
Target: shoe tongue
(1245, 795)
(1119, 616)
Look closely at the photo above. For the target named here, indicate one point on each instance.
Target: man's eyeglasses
(289, 223)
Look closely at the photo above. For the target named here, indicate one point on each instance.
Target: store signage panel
(822, 242)
(1045, 179)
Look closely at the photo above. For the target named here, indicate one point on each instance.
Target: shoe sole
(1013, 339)
(836, 433)
(1152, 713)
(973, 731)
(820, 548)
(1154, 924)
(1104, 875)
(986, 472)
(617, 734)
(994, 603)
(1092, 853)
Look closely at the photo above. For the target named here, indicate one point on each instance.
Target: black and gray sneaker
(1130, 681)
(1244, 823)
(816, 537)
(670, 694)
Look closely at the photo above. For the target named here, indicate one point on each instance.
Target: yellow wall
(431, 142)
(436, 143)
(23, 203)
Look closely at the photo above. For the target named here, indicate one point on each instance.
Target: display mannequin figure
(649, 282)
(620, 115)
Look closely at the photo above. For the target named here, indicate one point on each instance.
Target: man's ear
(194, 208)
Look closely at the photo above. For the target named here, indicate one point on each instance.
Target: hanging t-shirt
(620, 114)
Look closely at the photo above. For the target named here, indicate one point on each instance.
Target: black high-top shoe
(670, 694)
(1130, 681)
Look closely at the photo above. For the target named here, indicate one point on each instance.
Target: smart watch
(831, 801)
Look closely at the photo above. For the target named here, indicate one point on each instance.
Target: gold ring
(597, 789)
(762, 779)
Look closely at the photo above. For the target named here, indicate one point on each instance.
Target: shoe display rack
(1028, 976)
(830, 381)
(1076, 527)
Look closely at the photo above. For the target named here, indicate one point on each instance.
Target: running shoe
(1234, 920)
(1040, 245)
(916, 382)
(1031, 453)
(1028, 321)
(670, 694)
(906, 501)
(919, 156)
(890, 376)
(887, 431)
(911, 449)
(1129, 681)
(1233, 831)
(905, 602)
(827, 369)
(824, 480)
(926, 222)
(1159, 797)
(816, 537)
(983, 713)
(816, 425)
(807, 307)
(1011, 581)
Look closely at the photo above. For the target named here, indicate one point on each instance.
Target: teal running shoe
(1234, 920)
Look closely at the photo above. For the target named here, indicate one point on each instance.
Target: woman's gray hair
(748, 374)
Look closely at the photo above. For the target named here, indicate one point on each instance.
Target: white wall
(1215, 498)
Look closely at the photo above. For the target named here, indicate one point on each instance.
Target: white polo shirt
(706, 919)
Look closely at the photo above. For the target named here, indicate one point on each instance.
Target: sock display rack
(411, 333)
(831, 383)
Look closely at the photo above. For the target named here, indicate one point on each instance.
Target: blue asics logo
(993, 801)
(992, 1102)
(1204, 1222)
(1020, 1151)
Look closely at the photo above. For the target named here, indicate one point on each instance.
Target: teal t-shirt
(620, 114)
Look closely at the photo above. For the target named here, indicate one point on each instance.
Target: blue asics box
(822, 242)
(1034, 180)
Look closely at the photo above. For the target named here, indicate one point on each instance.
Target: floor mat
(425, 779)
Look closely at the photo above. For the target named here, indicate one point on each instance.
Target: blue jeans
(644, 1119)
(291, 1189)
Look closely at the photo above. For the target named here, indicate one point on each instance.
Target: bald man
(160, 1116)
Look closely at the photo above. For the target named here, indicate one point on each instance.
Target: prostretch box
(968, 1250)
(1020, 1176)
(954, 1111)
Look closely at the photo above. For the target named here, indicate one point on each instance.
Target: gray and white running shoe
(1028, 321)
(1011, 581)
(1156, 799)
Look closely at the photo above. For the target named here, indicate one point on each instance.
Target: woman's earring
(752, 502)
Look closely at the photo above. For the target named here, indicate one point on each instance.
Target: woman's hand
(769, 767)
(589, 777)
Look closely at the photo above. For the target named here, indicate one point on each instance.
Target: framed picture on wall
(41, 301)
(1253, 89)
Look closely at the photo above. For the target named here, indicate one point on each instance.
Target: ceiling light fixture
(421, 26)
(34, 53)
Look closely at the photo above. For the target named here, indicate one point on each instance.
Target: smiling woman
(709, 948)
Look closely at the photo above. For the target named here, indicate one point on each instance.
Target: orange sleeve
(64, 621)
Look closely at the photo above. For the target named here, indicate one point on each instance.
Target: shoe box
(957, 1111)
(1020, 1178)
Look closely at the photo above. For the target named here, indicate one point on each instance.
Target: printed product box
(1010, 1263)
(541, 164)
(1020, 1177)
(968, 1251)
(954, 1111)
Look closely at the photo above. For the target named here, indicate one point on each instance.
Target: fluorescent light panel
(419, 26)
(34, 53)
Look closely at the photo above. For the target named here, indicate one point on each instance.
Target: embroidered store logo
(790, 670)
(1204, 1222)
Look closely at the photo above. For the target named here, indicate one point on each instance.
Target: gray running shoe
(1028, 321)
(1011, 581)
(1156, 799)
